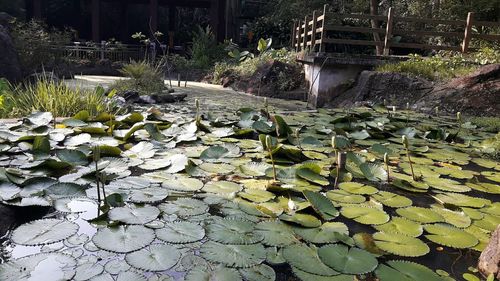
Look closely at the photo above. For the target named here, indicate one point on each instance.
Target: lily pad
(43, 232)
(157, 257)
(347, 260)
(400, 244)
(123, 239)
(233, 255)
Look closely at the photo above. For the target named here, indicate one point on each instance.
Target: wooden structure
(312, 33)
(223, 14)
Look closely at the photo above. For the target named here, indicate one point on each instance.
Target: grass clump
(48, 95)
(144, 77)
(490, 124)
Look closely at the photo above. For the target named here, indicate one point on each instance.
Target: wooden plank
(468, 32)
(313, 31)
(486, 23)
(294, 30)
(352, 42)
(354, 29)
(305, 34)
(299, 33)
(322, 46)
(320, 18)
(359, 16)
(433, 21)
(424, 46)
(420, 33)
(388, 32)
(492, 37)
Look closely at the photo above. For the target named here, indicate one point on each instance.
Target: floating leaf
(39, 267)
(342, 196)
(134, 215)
(329, 232)
(450, 236)
(347, 260)
(259, 272)
(232, 231)
(216, 274)
(462, 200)
(148, 195)
(184, 207)
(233, 255)
(156, 257)
(123, 239)
(222, 187)
(392, 200)
(181, 232)
(302, 219)
(44, 231)
(357, 188)
(311, 176)
(321, 205)
(275, 233)
(74, 157)
(365, 215)
(420, 214)
(405, 270)
(183, 184)
(307, 259)
(400, 244)
(402, 226)
(373, 172)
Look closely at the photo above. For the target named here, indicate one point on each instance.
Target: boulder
(490, 257)
(10, 67)
(477, 94)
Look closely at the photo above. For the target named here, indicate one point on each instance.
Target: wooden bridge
(335, 48)
(326, 32)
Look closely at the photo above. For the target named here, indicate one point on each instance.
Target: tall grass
(53, 96)
(144, 77)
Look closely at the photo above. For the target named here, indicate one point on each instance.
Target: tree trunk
(376, 24)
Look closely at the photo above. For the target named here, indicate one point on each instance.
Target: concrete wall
(330, 81)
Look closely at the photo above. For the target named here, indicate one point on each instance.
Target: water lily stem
(272, 161)
(411, 165)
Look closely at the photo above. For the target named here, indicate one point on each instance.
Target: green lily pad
(402, 226)
(400, 244)
(405, 270)
(450, 236)
(347, 260)
(233, 255)
(365, 214)
(419, 214)
(307, 259)
(321, 205)
(157, 257)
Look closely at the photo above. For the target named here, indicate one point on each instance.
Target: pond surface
(193, 194)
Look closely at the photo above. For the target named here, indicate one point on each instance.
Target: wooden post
(322, 46)
(376, 24)
(214, 16)
(294, 32)
(313, 32)
(388, 32)
(153, 15)
(468, 32)
(304, 42)
(299, 33)
(96, 25)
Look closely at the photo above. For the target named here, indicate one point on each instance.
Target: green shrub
(206, 50)
(444, 66)
(48, 95)
(490, 124)
(143, 77)
(33, 41)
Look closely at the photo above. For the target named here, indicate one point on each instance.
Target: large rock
(9, 63)
(374, 87)
(477, 94)
(490, 257)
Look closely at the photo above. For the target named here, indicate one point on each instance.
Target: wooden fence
(103, 51)
(312, 33)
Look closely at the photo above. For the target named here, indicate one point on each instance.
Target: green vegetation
(443, 67)
(490, 124)
(48, 95)
(205, 50)
(33, 41)
(143, 77)
(235, 193)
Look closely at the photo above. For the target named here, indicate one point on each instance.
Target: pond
(227, 191)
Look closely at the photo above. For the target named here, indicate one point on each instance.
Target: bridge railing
(102, 51)
(312, 34)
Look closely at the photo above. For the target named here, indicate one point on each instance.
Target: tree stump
(490, 257)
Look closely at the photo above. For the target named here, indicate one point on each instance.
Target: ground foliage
(193, 194)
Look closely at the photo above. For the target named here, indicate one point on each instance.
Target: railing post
(294, 30)
(299, 33)
(322, 46)
(306, 25)
(468, 32)
(388, 32)
(313, 32)
(103, 45)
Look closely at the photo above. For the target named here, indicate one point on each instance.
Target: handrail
(312, 32)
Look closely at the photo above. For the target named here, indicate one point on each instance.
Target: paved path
(214, 95)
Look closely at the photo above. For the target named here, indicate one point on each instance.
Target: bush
(206, 50)
(444, 66)
(33, 41)
(144, 77)
(48, 95)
